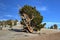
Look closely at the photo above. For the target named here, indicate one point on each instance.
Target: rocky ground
(45, 34)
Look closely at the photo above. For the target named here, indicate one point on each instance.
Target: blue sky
(49, 9)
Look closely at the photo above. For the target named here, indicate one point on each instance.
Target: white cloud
(18, 6)
(12, 16)
(52, 22)
(3, 19)
(8, 15)
(42, 8)
(48, 24)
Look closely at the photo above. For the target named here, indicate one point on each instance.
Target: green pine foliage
(31, 11)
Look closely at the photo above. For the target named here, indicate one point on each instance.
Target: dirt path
(11, 35)
(44, 35)
(55, 36)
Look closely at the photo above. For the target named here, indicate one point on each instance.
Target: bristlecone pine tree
(31, 18)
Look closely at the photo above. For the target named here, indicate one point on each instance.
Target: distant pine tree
(55, 26)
